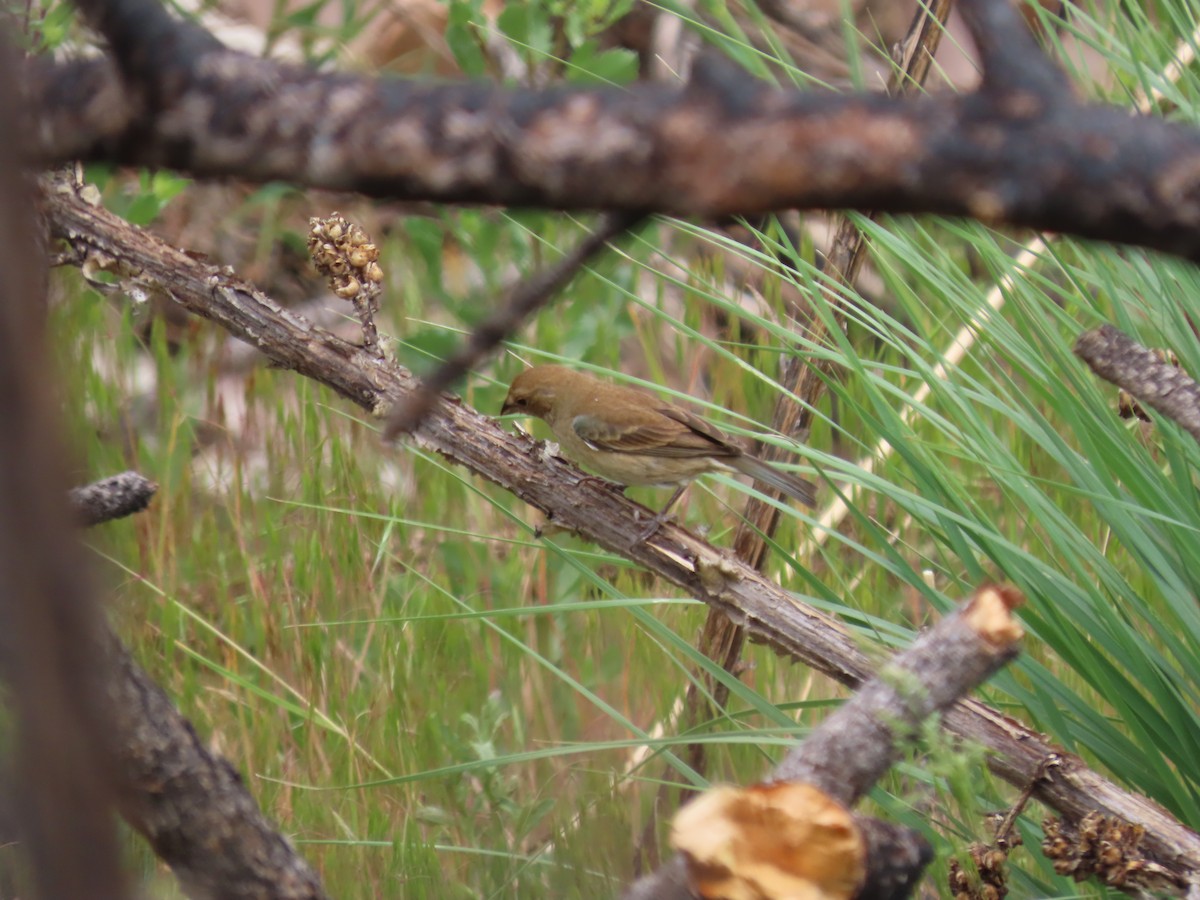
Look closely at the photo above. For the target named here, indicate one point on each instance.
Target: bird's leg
(615, 486)
(662, 518)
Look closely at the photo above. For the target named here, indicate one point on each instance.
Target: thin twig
(526, 298)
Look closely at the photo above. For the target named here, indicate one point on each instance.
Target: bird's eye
(520, 401)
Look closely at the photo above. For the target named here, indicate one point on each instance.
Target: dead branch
(1020, 151)
(844, 757)
(571, 499)
(112, 498)
(849, 751)
(191, 804)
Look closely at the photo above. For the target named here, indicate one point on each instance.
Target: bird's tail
(759, 470)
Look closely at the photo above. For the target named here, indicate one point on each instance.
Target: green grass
(436, 704)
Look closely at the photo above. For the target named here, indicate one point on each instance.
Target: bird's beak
(507, 408)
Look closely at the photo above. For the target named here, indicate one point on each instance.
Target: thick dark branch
(1012, 62)
(722, 145)
(190, 804)
(112, 498)
(63, 790)
(769, 614)
(1116, 357)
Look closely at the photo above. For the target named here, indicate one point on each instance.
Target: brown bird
(634, 438)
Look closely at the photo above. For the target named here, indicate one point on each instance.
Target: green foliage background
(436, 704)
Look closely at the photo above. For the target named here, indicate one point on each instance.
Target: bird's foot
(549, 528)
(613, 486)
(654, 525)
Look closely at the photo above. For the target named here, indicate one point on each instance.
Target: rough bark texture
(190, 804)
(1020, 151)
(851, 749)
(898, 857)
(112, 498)
(573, 500)
(1116, 357)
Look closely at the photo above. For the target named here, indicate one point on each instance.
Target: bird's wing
(665, 431)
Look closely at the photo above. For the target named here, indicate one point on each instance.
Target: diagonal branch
(191, 804)
(520, 465)
(855, 745)
(526, 298)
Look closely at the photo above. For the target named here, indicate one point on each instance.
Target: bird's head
(534, 391)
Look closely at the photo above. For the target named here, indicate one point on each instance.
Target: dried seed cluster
(989, 861)
(347, 256)
(1099, 845)
(344, 254)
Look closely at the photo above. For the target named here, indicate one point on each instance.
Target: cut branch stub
(776, 840)
(747, 843)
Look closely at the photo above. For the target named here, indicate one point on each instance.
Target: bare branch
(1021, 151)
(573, 500)
(850, 750)
(191, 804)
